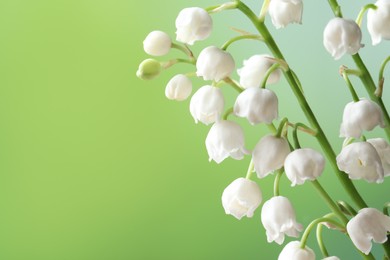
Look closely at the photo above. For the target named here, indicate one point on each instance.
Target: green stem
(386, 208)
(250, 170)
(346, 208)
(234, 84)
(263, 11)
(362, 11)
(183, 49)
(277, 181)
(379, 90)
(227, 113)
(274, 67)
(239, 38)
(320, 241)
(295, 137)
(170, 63)
(350, 87)
(281, 127)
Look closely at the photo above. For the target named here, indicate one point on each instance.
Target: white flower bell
(252, 74)
(378, 22)
(361, 161)
(269, 154)
(258, 105)
(331, 258)
(360, 116)
(304, 164)
(157, 43)
(207, 104)
(383, 149)
(241, 198)
(214, 64)
(293, 251)
(278, 218)
(369, 224)
(178, 88)
(342, 36)
(225, 138)
(193, 24)
(284, 12)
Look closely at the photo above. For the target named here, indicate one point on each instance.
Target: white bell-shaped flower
(214, 64)
(331, 258)
(157, 43)
(225, 138)
(383, 149)
(241, 198)
(278, 218)
(193, 24)
(258, 105)
(284, 12)
(369, 224)
(252, 74)
(293, 251)
(361, 161)
(304, 164)
(342, 36)
(269, 154)
(378, 22)
(360, 116)
(207, 104)
(178, 88)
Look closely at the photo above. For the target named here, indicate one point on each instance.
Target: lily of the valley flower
(303, 164)
(214, 64)
(331, 258)
(342, 36)
(149, 69)
(225, 138)
(361, 161)
(157, 43)
(363, 115)
(378, 22)
(207, 104)
(369, 224)
(383, 149)
(258, 105)
(178, 88)
(269, 154)
(241, 198)
(193, 24)
(252, 74)
(278, 218)
(293, 251)
(284, 12)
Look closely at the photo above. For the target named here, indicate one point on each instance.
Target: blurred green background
(98, 165)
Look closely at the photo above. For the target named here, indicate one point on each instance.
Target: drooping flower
(303, 164)
(284, 12)
(214, 64)
(269, 154)
(225, 138)
(331, 258)
(207, 104)
(258, 105)
(293, 251)
(193, 24)
(178, 88)
(369, 224)
(383, 149)
(360, 116)
(149, 69)
(157, 43)
(342, 36)
(361, 161)
(378, 22)
(252, 74)
(278, 218)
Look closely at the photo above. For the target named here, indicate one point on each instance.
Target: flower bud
(157, 43)
(225, 138)
(252, 74)
(331, 258)
(241, 198)
(269, 154)
(293, 251)
(283, 12)
(378, 22)
(303, 164)
(361, 161)
(258, 105)
(360, 116)
(178, 88)
(342, 36)
(149, 69)
(207, 104)
(383, 149)
(214, 64)
(193, 24)
(278, 218)
(368, 224)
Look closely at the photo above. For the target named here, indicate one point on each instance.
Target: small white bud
(293, 251)
(214, 64)
(284, 12)
(178, 88)
(157, 43)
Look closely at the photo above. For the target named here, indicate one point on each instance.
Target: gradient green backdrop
(96, 164)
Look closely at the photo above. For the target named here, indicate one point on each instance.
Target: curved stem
(320, 241)
(295, 137)
(277, 181)
(250, 170)
(183, 49)
(362, 11)
(227, 113)
(379, 90)
(234, 84)
(282, 124)
(350, 87)
(274, 67)
(346, 208)
(239, 38)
